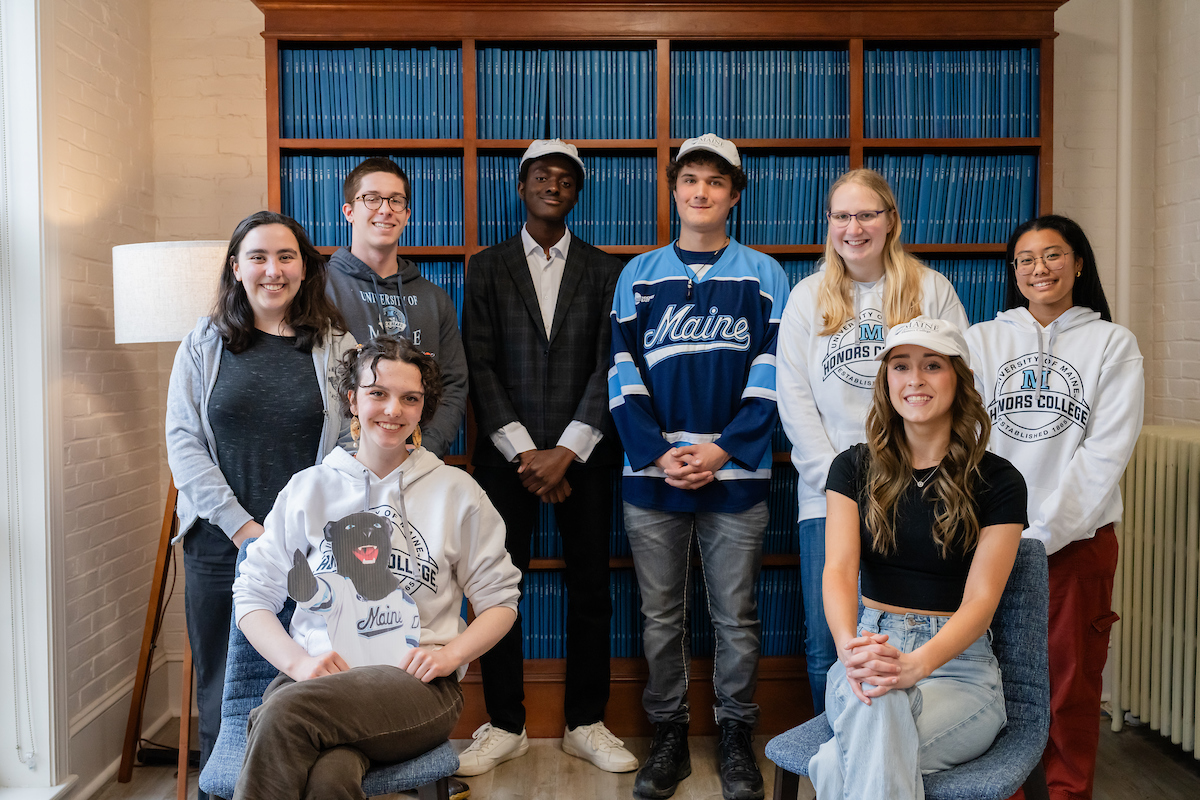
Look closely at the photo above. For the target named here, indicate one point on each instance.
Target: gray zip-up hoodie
(191, 445)
(408, 305)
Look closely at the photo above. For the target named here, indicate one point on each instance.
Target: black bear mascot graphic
(370, 618)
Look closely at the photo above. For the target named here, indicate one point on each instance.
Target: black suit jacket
(515, 372)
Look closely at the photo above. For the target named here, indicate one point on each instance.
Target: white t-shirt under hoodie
(824, 383)
(1066, 405)
(447, 540)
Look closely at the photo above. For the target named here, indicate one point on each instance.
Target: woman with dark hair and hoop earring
(1065, 390)
(833, 326)
(930, 521)
(250, 403)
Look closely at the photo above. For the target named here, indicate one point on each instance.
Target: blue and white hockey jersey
(694, 361)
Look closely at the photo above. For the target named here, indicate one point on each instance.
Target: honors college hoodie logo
(1036, 401)
(852, 350)
(414, 570)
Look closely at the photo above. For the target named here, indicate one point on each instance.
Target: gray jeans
(731, 556)
(316, 738)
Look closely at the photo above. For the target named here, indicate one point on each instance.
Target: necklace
(921, 482)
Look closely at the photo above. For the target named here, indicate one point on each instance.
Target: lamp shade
(160, 289)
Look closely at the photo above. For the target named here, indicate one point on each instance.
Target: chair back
(1019, 638)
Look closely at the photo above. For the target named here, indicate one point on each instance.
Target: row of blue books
(370, 93)
(311, 193)
(954, 199)
(784, 202)
(760, 94)
(570, 94)
(980, 283)
(616, 205)
(951, 93)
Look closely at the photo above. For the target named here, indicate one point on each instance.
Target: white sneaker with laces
(595, 743)
(491, 746)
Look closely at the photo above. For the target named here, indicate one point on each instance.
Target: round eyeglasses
(1053, 259)
(398, 202)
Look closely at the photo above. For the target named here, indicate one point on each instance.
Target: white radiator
(1154, 646)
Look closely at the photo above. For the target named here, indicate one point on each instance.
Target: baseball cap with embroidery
(714, 144)
(938, 335)
(540, 148)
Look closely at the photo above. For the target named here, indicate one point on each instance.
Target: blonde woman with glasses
(834, 326)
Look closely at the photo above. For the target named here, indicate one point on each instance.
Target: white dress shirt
(547, 274)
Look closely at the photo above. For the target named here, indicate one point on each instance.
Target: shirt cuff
(512, 440)
(581, 439)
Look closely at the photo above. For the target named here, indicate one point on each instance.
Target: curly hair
(350, 370)
(889, 466)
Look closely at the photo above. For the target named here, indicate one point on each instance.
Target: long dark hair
(889, 466)
(311, 314)
(1087, 290)
(348, 372)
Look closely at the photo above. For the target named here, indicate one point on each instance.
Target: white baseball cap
(938, 335)
(714, 144)
(540, 148)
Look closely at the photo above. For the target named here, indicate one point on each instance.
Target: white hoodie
(824, 383)
(1071, 433)
(453, 542)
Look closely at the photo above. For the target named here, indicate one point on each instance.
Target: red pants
(1081, 581)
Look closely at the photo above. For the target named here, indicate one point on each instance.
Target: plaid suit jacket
(516, 373)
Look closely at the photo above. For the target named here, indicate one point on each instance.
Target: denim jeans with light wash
(731, 556)
(819, 649)
(883, 749)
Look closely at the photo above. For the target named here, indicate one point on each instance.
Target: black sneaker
(740, 778)
(667, 764)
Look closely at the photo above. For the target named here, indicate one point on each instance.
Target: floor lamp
(160, 289)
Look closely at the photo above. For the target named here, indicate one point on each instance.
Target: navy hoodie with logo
(406, 304)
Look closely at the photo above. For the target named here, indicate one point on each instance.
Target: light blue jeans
(819, 649)
(882, 750)
(731, 556)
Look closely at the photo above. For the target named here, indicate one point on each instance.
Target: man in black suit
(537, 332)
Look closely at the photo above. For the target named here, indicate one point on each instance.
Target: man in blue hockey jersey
(692, 392)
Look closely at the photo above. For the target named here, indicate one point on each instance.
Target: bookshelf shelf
(664, 33)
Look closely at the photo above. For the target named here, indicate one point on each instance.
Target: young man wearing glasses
(692, 392)
(378, 292)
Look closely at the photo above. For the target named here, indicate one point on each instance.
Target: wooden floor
(1136, 764)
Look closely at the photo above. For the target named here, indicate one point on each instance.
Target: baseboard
(94, 749)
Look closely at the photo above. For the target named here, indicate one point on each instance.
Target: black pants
(583, 521)
(209, 561)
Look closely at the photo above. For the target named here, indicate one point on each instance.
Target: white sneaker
(595, 743)
(492, 746)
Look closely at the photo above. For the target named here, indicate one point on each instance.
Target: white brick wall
(1175, 390)
(111, 494)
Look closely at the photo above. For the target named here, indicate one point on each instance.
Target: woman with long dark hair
(1065, 390)
(833, 326)
(250, 403)
(930, 521)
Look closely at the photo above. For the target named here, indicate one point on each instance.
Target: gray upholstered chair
(1014, 759)
(247, 675)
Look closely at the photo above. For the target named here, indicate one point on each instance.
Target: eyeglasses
(1053, 259)
(842, 219)
(398, 202)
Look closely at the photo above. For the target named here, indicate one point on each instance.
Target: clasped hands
(875, 667)
(543, 472)
(692, 466)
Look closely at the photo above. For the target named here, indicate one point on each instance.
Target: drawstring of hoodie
(403, 511)
(1043, 356)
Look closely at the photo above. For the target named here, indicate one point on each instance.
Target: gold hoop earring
(1079, 274)
(416, 436)
(355, 429)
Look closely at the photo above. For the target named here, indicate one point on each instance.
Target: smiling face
(860, 246)
(1048, 291)
(921, 384)
(388, 406)
(550, 189)
(704, 198)
(270, 269)
(381, 228)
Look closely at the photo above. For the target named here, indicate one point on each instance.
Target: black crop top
(915, 575)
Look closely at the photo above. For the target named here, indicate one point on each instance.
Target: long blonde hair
(902, 296)
(889, 466)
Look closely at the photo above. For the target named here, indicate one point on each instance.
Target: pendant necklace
(922, 481)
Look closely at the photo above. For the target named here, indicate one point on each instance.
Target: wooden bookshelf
(661, 26)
